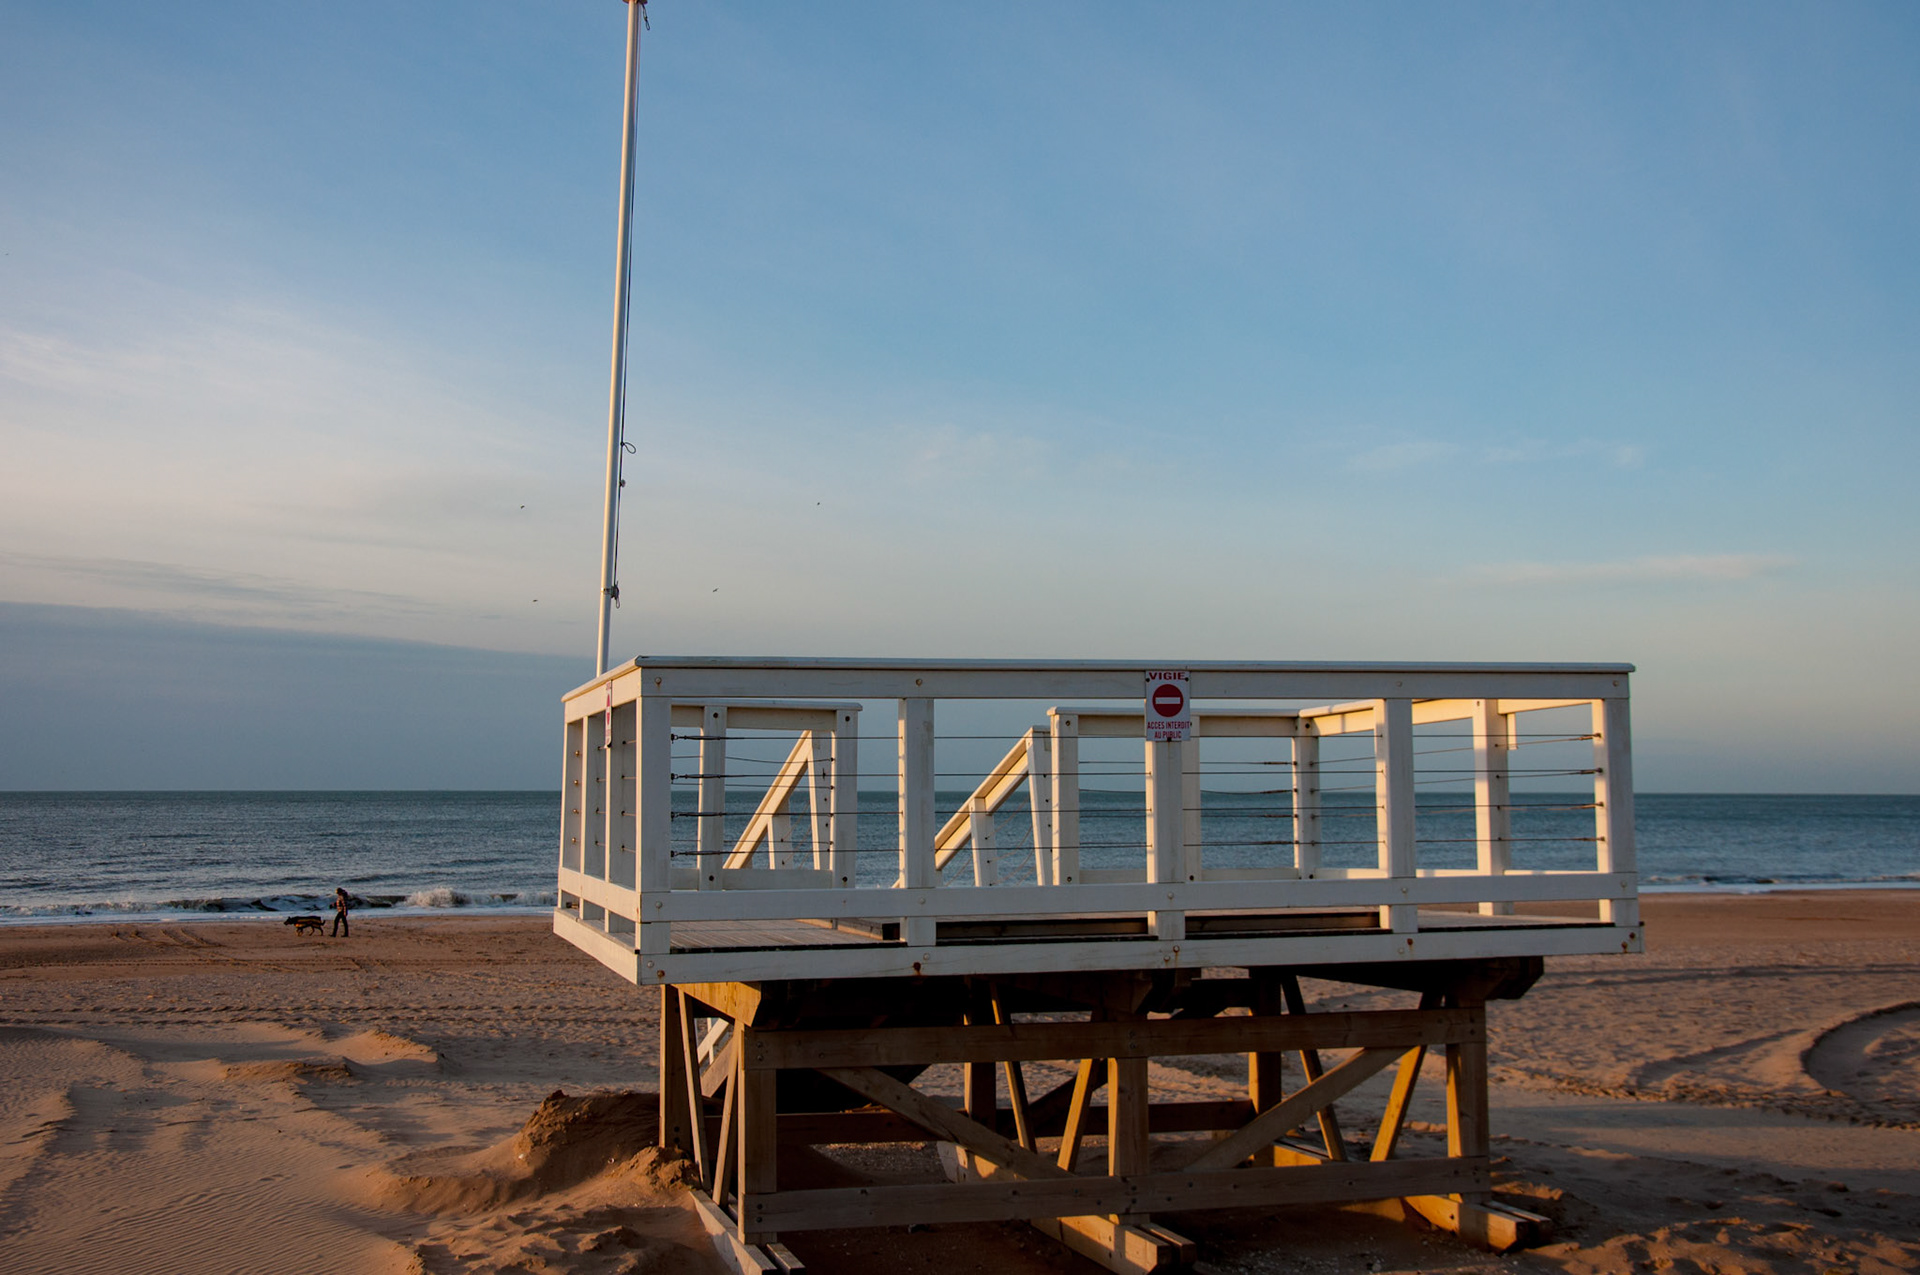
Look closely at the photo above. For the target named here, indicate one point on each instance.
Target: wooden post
(977, 1091)
(1076, 1127)
(1166, 827)
(916, 811)
(711, 846)
(1492, 796)
(593, 814)
(622, 799)
(1468, 1133)
(1393, 777)
(1066, 797)
(677, 1131)
(573, 787)
(1330, 1133)
(986, 862)
(845, 798)
(1190, 826)
(1306, 800)
(1040, 801)
(819, 794)
(1266, 1083)
(1613, 799)
(654, 791)
(757, 1118)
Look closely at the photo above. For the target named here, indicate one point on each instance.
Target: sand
(457, 1094)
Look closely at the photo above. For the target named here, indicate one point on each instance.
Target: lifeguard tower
(1189, 842)
(1070, 864)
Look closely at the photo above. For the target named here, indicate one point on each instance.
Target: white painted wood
(1065, 731)
(1190, 836)
(1001, 783)
(905, 961)
(916, 811)
(655, 794)
(845, 798)
(986, 861)
(1613, 794)
(593, 813)
(819, 794)
(1166, 825)
(711, 846)
(623, 833)
(1492, 795)
(1393, 788)
(1318, 894)
(1040, 801)
(573, 787)
(1306, 803)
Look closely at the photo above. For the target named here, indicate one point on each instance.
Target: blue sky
(1371, 332)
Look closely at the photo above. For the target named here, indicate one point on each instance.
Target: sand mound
(325, 1070)
(1873, 1059)
(564, 1142)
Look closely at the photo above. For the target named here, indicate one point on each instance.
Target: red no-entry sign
(1168, 717)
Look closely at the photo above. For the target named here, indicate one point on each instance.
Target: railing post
(1306, 799)
(916, 811)
(1613, 802)
(1492, 797)
(1393, 784)
(622, 838)
(655, 817)
(710, 849)
(593, 799)
(986, 858)
(819, 793)
(1190, 828)
(1166, 825)
(845, 798)
(1040, 801)
(573, 794)
(1066, 797)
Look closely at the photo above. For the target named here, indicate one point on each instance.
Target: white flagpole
(617, 391)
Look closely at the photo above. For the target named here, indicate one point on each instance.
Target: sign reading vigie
(1169, 716)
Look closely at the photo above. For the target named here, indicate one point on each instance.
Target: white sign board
(1169, 707)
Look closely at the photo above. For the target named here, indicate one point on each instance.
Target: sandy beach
(454, 1094)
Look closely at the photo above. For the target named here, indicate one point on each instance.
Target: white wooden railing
(665, 895)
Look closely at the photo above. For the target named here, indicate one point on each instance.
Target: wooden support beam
(1076, 1127)
(677, 1129)
(726, 1157)
(692, 1101)
(1264, 1129)
(744, 1259)
(1310, 1068)
(1126, 1247)
(1139, 1038)
(943, 1121)
(755, 1110)
(1400, 1100)
(1071, 1196)
(715, 1073)
(1016, 1084)
(1126, 1116)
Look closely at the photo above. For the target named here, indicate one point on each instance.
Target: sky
(1104, 330)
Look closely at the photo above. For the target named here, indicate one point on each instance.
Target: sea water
(121, 855)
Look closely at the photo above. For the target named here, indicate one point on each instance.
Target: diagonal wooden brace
(1267, 1127)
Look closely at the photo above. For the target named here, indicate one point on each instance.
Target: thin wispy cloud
(1652, 569)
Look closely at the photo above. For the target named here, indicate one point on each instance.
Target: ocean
(117, 855)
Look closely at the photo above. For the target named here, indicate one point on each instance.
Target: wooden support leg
(1076, 1128)
(977, 1088)
(1401, 1099)
(1474, 1215)
(690, 1075)
(759, 1138)
(1016, 1088)
(1310, 1067)
(677, 1131)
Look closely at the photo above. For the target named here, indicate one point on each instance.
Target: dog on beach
(306, 924)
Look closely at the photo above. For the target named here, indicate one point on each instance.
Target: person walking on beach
(340, 902)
